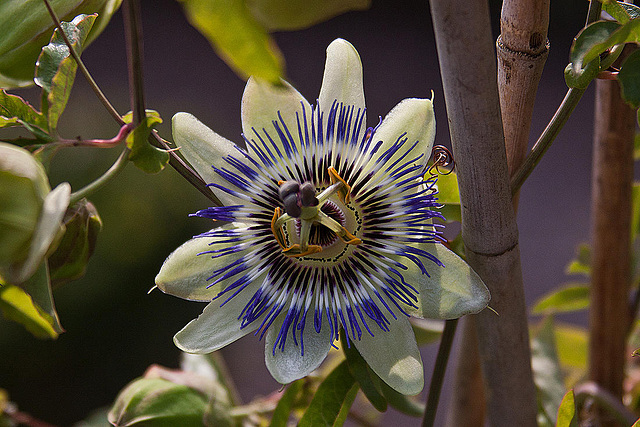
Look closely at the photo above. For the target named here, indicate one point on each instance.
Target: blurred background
(115, 330)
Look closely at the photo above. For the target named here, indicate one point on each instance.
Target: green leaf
(278, 15)
(427, 331)
(449, 196)
(636, 424)
(629, 78)
(620, 11)
(572, 297)
(547, 373)
(237, 37)
(636, 144)
(368, 381)
(144, 155)
(56, 69)
(38, 286)
(567, 412)
(401, 402)
(572, 344)
(286, 403)
(580, 78)
(582, 263)
(15, 110)
(18, 306)
(154, 402)
(334, 392)
(626, 33)
(70, 259)
(25, 26)
(591, 41)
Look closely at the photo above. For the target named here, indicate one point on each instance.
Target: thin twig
(114, 113)
(99, 143)
(606, 400)
(439, 369)
(133, 34)
(115, 169)
(548, 136)
(557, 121)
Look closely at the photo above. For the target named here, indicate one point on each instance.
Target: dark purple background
(115, 330)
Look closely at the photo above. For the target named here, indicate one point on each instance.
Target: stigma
(315, 216)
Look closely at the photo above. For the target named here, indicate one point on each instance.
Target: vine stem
(83, 69)
(439, 370)
(557, 121)
(115, 169)
(176, 162)
(547, 137)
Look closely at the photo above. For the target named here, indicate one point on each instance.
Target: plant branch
(115, 169)
(606, 400)
(99, 143)
(83, 69)
(546, 138)
(463, 36)
(439, 370)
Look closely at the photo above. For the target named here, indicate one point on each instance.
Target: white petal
(204, 149)
(342, 79)
(184, 273)
(414, 118)
(289, 365)
(217, 326)
(451, 292)
(261, 104)
(394, 356)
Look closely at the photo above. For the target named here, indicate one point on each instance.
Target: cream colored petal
(186, 271)
(290, 364)
(412, 119)
(204, 149)
(342, 81)
(394, 356)
(451, 291)
(217, 326)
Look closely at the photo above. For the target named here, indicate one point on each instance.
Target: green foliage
(401, 402)
(571, 297)
(23, 186)
(144, 155)
(427, 331)
(55, 73)
(155, 402)
(547, 373)
(581, 264)
(237, 37)
(621, 11)
(567, 412)
(15, 111)
(368, 381)
(338, 390)
(18, 306)
(70, 259)
(286, 404)
(278, 15)
(56, 68)
(238, 30)
(449, 196)
(25, 26)
(629, 78)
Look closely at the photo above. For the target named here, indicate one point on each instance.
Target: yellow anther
(348, 238)
(345, 191)
(277, 230)
(295, 251)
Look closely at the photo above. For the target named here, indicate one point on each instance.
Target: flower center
(320, 220)
(319, 234)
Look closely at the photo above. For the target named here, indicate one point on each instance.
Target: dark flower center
(321, 235)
